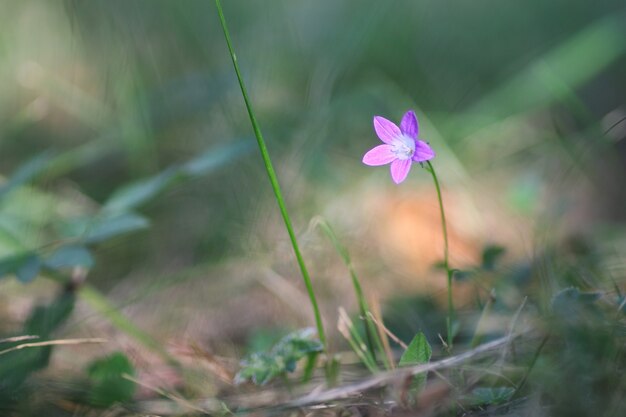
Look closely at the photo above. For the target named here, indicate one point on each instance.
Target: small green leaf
(9, 264)
(418, 351)
(108, 385)
(440, 265)
(261, 367)
(45, 319)
(116, 225)
(491, 255)
(134, 195)
(29, 269)
(25, 266)
(26, 172)
(215, 158)
(462, 275)
(99, 228)
(17, 365)
(490, 396)
(69, 257)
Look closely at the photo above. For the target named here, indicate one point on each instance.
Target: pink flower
(401, 146)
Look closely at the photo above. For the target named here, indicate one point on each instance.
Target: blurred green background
(524, 102)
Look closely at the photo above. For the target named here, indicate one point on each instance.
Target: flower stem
(274, 181)
(446, 263)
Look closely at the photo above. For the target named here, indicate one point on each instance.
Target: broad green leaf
(108, 385)
(45, 319)
(25, 218)
(26, 172)
(116, 225)
(69, 257)
(97, 229)
(28, 269)
(134, 195)
(17, 365)
(215, 158)
(25, 266)
(9, 240)
(9, 264)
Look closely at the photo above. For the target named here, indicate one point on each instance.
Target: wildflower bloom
(401, 146)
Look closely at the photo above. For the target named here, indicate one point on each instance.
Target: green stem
(274, 181)
(370, 330)
(446, 263)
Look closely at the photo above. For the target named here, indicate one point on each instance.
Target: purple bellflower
(401, 146)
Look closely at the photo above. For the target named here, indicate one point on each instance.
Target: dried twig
(53, 343)
(388, 332)
(18, 339)
(399, 374)
(376, 316)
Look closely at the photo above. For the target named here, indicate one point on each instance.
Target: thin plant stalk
(479, 332)
(274, 181)
(347, 329)
(446, 262)
(373, 339)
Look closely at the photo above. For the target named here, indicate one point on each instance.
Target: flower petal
(386, 130)
(400, 169)
(423, 152)
(379, 155)
(409, 125)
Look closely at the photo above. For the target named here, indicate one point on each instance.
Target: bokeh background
(523, 101)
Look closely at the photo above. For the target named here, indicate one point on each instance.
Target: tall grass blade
(274, 181)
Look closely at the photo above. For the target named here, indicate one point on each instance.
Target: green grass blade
(274, 181)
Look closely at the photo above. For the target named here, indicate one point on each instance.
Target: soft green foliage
(491, 255)
(70, 256)
(25, 173)
(25, 266)
(491, 258)
(108, 386)
(575, 308)
(418, 352)
(134, 195)
(17, 365)
(121, 143)
(262, 367)
(372, 337)
(95, 229)
(76, 234)
(490, 396)
(271, 173)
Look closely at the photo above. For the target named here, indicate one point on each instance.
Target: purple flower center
(403, 147)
